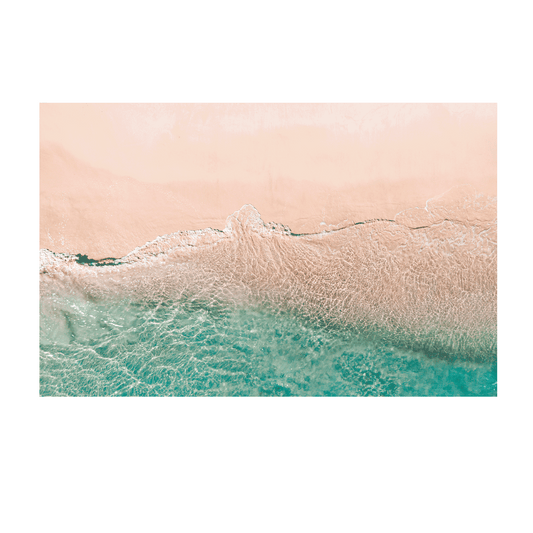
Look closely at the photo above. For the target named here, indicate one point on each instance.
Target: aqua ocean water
(186, 349)
(385, 308)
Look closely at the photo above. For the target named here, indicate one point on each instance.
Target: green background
(259, 474)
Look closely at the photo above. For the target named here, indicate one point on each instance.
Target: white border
(30, 96)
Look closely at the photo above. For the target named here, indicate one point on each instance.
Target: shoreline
(92, 212)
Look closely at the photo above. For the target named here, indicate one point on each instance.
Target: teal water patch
(189, 348)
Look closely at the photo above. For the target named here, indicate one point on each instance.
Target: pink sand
(114, 176)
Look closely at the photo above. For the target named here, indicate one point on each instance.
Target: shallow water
(185, 349)
(385, 308)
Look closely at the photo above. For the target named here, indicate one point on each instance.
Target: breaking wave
(419, 288)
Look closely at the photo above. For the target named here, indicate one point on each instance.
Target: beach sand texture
(114, 176)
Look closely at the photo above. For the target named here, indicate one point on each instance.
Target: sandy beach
(386, 231)
(114, 176)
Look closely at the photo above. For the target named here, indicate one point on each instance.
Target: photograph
(268, 249)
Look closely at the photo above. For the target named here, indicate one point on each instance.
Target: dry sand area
(114, 176)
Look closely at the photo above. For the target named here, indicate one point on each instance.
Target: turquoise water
(192, 349)
(403, 307)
